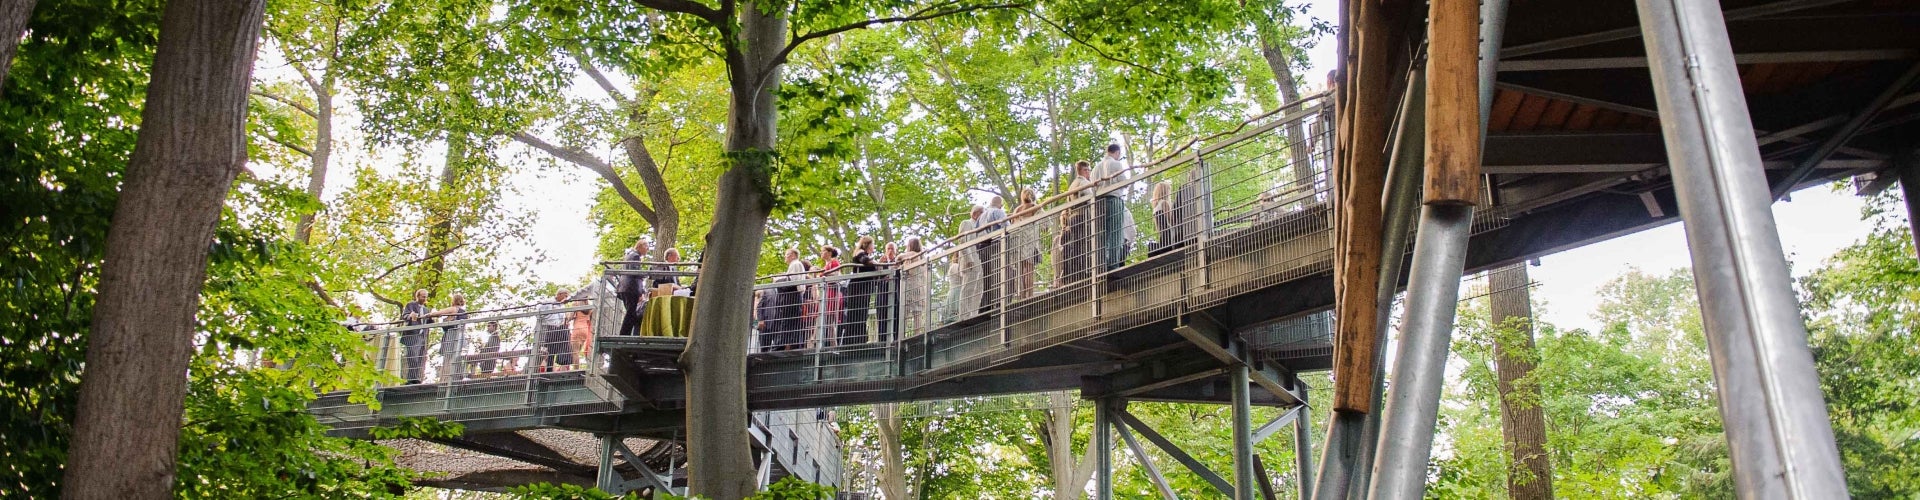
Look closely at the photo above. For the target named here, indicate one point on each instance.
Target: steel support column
(1303, 442)
(1419, 372)
(1103, 449)
(605, 478)
(1348, 451)
(1776, 420)
(1243, 470)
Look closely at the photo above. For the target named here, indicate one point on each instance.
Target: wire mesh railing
(1223, 217)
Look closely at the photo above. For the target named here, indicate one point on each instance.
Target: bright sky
(1815, 224)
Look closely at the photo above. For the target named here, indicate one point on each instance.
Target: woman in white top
(913, 277)
(969, 280)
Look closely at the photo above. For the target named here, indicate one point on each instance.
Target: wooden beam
(1373, 37)
(1453, 103)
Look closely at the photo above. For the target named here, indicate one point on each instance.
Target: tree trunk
(14, 15)
(1070, 476)
(1529, 472)
(1299, 152)
(666, 217)
(443, 230)
(893, 470)
(322, 152)
(719, 464)
(192, 143)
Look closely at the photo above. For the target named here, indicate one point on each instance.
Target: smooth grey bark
(1524, 427)
(719, 459)
(893, 469)
(14, 15)
(192, 143)
(322, 152)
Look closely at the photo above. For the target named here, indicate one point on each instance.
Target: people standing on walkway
(490, 346)
(968, 287)
(913, 291)
(453, 338)
(414, 340)
(993, 220)
(1076, 235)
(789, 324)
(886, 300)
(831, 294)
(1024, 243)
(1111, 210)
(1162, 201)
(556, 349)
(630, 287)
(860, 290)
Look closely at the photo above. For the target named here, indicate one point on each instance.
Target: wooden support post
(1453, 103)
(1361, 178)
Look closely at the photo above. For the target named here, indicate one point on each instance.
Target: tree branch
(588, 161)
(689, 7)
(920, 15)
(287, 101)
(1089, 45)
(295, 147)
(619, 98)
(403, 265)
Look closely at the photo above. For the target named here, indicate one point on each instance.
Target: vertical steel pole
(1419, 371)
(1243, 470)
(1103, 449)
(606, 479)
(1776, 420)
(1303, 442)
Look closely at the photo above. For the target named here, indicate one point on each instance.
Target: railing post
(1243, 469)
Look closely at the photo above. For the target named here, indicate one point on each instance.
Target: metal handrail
(487, 319)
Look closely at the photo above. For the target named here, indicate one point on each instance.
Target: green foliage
(1630, 409)
(1862, 307)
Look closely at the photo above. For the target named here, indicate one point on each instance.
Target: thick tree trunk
(719, 463)
(1070, 475)
(1299, 152)
(443, 228)
(192, 143)
(893, 469)
(322, 152)
(14, 15)
(1529, 473)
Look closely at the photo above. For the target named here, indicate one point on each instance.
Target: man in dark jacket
(630, 287)
(414, 340)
